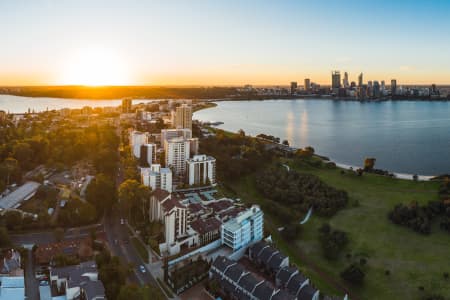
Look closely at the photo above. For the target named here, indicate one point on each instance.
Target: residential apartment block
(177, 151)
(183, 116)
(137, 139)
(201, 170)
(157, 177)
(245, 228)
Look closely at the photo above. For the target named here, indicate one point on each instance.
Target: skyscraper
(126, 105)
(293, 87)
(335, 80)
(345, 81)
(393, 87)
(183, 117)
(307, 85)
(360, 80)
(376, 89)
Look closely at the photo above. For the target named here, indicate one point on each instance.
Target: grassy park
(401, 264)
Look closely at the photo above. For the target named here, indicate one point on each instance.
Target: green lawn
(413, 260)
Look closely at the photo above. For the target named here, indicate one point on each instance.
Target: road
(47, 237)
(31, 284)
(119, 240)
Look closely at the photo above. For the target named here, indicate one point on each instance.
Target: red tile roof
(160, 194)
(203, 226)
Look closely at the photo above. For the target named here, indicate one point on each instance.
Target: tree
(286, 142)
(133, 194)
(10, 170)
(5, 241)
(291, 231)
(353, 274)
(101, 192)
(113, 275)
(129, 291)
(24, 154)
(332, 241)
(309, 149)
(106, 161)
(13, 219)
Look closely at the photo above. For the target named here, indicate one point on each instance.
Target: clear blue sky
(223, 42)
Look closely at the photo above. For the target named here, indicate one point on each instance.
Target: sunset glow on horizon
(244, 42)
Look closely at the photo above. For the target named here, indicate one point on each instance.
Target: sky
(132, 42)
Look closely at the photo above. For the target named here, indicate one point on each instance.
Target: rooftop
(170, 203)
(83, 275)
(23, 193)
(12, 288)
(160, 194)
(203, 226)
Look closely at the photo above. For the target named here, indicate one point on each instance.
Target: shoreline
(398, 175)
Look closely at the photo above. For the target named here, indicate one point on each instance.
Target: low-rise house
(308, 293)
(12, 288)
(238, 283)
(268, 257)
(263, 291)
(77, 248)
(12, 281)
(284, 275)
(78, 282)
(283, 295)
(296, 283)
(248, 283)
(11, 263)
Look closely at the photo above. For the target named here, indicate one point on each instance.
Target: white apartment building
(200, 170)
(177, 151)
(168, 209)
(137, 139)
(183, 117)
(157, 177)
(245, 228)
(148, 154)
(167, 134)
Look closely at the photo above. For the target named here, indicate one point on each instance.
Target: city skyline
(221, 43)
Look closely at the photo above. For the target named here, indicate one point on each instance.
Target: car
(142, 269)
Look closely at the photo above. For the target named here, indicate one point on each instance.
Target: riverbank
(396, 175)
(342, 166)
(406, 138)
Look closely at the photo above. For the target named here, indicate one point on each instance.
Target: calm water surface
(16, 104)
(406, 137)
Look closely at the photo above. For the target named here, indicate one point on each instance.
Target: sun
(95, 67)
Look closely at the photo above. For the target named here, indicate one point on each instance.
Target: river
(411, 137)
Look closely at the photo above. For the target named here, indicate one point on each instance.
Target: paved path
(308, 215)
(31, 284)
